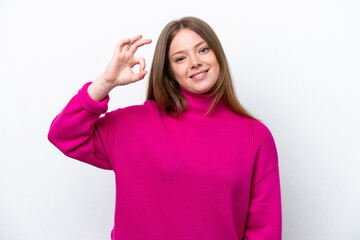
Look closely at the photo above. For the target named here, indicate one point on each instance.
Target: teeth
(198, 75)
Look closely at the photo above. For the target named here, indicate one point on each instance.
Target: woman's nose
(195, 62)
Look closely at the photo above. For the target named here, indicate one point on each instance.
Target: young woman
(190, 162)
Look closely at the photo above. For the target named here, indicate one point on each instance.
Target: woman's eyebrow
(198, 44)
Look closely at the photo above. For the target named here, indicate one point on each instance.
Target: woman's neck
(199, 104)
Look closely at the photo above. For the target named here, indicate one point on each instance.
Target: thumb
(138, 76)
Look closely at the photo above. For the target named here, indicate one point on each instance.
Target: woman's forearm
(100, 88)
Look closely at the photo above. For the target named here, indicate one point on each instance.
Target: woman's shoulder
(261, 131)
(135, 112)
(138, 109)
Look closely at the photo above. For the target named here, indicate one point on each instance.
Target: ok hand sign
(120, 69)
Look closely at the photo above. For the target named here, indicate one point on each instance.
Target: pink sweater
(191, 178)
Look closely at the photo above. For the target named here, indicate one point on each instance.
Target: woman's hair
(165, 90)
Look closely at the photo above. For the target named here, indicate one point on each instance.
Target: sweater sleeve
(264, 219)
(76, 131)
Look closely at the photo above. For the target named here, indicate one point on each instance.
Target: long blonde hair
(165, 90)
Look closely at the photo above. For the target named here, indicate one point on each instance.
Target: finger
(121, 44)
(141, 62)
(128, 40)
(127, 46)
(124, 41)
(134, 47)
(135, 38)
(138, 76)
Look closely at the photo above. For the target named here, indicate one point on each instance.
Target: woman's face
(193, 63)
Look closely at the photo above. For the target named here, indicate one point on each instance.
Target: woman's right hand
(120, 69)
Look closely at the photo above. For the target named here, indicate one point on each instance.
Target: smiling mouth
(199, 74)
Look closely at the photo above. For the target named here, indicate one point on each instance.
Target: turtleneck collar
(199, 104)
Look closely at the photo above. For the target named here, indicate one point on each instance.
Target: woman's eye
(179, 59)
(205, 49)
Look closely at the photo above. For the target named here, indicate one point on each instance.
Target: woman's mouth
(199, 75)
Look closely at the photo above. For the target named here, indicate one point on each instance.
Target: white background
(295, 65)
